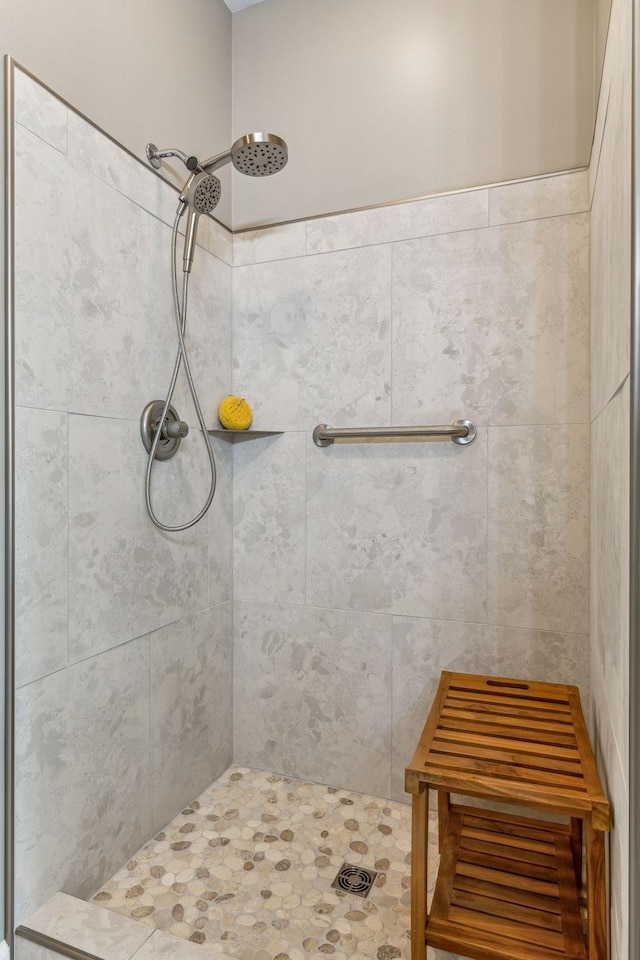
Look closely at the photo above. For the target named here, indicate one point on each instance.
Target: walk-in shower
(254, 155)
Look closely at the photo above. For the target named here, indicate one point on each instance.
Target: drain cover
(355, 880)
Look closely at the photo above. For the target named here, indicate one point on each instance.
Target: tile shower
(356, 573)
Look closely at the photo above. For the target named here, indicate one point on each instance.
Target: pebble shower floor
(246, 871)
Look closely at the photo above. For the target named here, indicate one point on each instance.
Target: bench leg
(576, 849)
(419, 840)
(444, 806)
(596, 893)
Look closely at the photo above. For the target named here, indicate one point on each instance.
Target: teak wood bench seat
(508, 885)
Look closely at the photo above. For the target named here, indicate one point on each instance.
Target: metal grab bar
(461, 431)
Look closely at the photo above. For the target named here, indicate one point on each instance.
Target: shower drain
(355, 880)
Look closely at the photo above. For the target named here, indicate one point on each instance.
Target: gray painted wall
(381, 101)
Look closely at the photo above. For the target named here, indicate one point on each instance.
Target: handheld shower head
(259, 154)
(200, 194)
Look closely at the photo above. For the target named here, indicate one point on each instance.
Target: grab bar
(461, 431)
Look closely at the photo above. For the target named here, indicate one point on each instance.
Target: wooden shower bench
(508, 886)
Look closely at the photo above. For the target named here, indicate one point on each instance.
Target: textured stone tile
(79, 732)
(538, 558)
(92, 152)
(269, 519)
(303, 326)
(221, 242)
(399, 221)
(42, 543)
(39, 111)
(610, 247)
(312, 693)
(385, 534)
(275, 243)
(80, 296)
(191, 735)
(553, 196)
(422, 649)
(86, 927)
(246, 871)
(220, 521)
(609, 558)
(129, 577)
(492, 325)
(208, 332)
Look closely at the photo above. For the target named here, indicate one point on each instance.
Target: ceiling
(240, 4)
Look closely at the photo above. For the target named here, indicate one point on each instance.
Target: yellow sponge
(235, 413)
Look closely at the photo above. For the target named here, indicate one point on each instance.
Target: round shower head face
(206, 193)
(259, 154)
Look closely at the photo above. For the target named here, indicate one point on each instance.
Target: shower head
(259, 154)
(255, 155)
(200, 194)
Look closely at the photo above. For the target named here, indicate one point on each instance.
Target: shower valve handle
(175, 429)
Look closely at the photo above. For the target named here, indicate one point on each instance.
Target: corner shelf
(238, 436)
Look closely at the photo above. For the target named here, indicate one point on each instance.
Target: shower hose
(181, 358)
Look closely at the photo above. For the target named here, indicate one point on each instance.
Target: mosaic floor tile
(247, 870)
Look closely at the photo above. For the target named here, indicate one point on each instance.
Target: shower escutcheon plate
(173, 430)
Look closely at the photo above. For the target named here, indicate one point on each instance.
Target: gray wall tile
(312, 694)
(538, 558)
(82, 759)
(191, 718)
(269, 506)
(129, 577)
(492, 325)
(40, 112)
(312, 339)
(42, 543)
(385, 534)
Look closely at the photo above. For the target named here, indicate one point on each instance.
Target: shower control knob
(175, 429)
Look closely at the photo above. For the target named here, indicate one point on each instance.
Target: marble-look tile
(611, 244)
(617, 61)
(269, 504)
(399, 221)
(191, 711)
(274, 243)
(82, 262)
(84, 926)
(492, 325)
(385, 534)
(609, 558)
(40, 111)
(220, 521)
(164, 946)
(312, 340)
(79, 732)
(553, 196)
(91, 151)
(312, 693)
(422, 649)
(208, 331)
(27, 950)
(42, 543)
(538, 556)
(129, 577)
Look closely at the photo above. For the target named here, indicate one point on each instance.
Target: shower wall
(123, 633)
(610, 184)
(362, 571)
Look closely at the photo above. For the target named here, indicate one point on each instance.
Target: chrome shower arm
(213, 163)
(154, 156)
